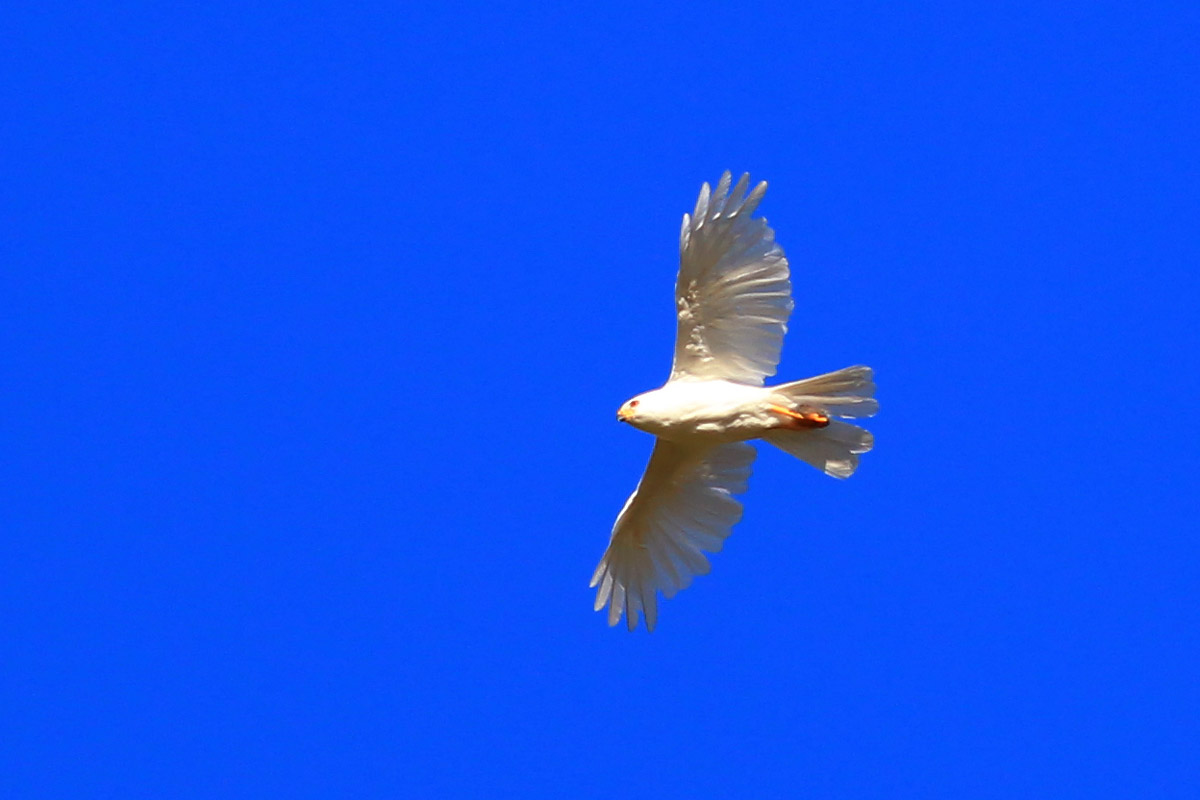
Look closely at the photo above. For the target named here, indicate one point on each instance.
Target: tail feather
(833, 449)
(848, 392)
(836, 447)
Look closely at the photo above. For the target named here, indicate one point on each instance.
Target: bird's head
(629, 412)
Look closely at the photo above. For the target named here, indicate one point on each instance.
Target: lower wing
(682, 507)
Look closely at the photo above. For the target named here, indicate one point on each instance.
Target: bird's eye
(634, 403)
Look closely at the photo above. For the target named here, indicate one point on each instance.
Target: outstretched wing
(733, 295)
(682, 507)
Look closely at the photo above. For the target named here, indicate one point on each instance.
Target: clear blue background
(315, 320)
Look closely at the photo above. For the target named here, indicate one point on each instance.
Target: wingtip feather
(701, 211)
(617, 605)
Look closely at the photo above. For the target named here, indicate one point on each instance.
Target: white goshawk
(733, 297)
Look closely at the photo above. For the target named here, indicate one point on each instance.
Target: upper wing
(682, 507)
(733, 295)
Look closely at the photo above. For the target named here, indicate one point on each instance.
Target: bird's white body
(713, 411)
(732, 300)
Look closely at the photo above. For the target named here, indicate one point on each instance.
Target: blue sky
(315, 320)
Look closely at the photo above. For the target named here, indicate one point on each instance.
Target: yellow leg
(804, 418)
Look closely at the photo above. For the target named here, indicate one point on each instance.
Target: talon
(805, 418)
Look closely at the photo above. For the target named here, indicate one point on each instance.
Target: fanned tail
(833, 448)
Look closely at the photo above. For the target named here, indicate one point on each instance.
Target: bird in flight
(733, 297)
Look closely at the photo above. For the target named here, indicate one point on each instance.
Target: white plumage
(733, 297)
